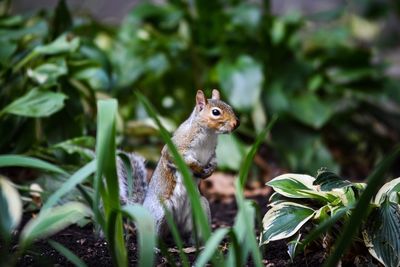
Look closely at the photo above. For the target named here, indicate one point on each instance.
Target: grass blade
(177, 238)
(67, 254)
(146, 231)
(88, 196)
(24, 161)
(321, 228)
(244, 170)
(374, 181)
(164, 251)
(77, 178)
(211, 246)
(108, 188)
(250, 239)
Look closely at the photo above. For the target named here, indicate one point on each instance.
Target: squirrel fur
(196, 141)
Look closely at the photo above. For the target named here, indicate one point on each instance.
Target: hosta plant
(302, 202)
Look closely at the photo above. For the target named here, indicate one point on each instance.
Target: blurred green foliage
(335, 104)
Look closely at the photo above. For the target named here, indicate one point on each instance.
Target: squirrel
(196, 141)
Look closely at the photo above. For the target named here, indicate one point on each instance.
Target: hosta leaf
(328, 180)
(298, 186)
(284, 220)
(382, 234)
(288, 184)
(391, 190)
(36, 103)
(10, 207)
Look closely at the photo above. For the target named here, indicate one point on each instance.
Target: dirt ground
(93, 251)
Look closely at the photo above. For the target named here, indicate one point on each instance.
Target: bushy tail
(136, 163)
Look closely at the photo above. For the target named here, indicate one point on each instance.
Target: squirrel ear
(215, 94)
(201, 101)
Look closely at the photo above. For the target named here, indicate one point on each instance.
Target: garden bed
(94, 251)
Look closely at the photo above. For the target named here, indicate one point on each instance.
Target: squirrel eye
(216, 112)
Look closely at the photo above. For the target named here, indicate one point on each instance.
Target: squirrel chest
(203, 149)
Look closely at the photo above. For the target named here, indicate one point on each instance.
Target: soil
(94, 251)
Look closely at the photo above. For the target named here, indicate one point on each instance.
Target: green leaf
(374, 181)
(277, 31)
(297, 186)
(66, 43)
(67, 254)
(23, 161)
(310, 110)
(96, 77)
(244, 77)
(38, 28)
(382, 234)
(211, 246)
(84, 146)
(146, 231)
(11, 21)
(284, 220)
(51, 221)
(77, 178)
(7, 49)
(246, 15)
(36, 103)
(49, 71)
(389, 190)
(328, 180)
(10, 208)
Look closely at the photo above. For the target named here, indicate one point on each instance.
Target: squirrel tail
(135, 163)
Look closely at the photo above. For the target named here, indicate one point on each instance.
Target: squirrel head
(215, 114)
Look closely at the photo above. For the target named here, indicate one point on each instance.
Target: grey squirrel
(196, 141)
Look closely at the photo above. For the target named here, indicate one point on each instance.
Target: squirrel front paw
(206, 171)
